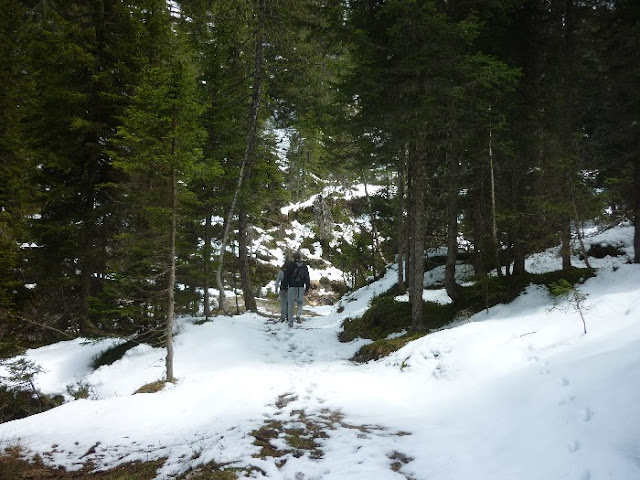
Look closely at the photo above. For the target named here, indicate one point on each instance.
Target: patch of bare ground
(300, 433)
(17, 464)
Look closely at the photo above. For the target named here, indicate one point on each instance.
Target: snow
(353, 191)
(518, 392)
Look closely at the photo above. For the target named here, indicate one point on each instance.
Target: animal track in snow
(587, 414)
(573, 446)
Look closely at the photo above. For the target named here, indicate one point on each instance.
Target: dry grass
(152, 387)
(15, 465)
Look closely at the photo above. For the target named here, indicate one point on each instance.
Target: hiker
(296, 280)
(281, 289)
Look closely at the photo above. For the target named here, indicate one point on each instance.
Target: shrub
(384, 347)
(152, 387)
(19, 397)
(384, 317)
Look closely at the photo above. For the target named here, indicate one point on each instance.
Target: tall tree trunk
(450, 285)
(172, 277)
(249, 157)
(401, 229)
(576, 220)
(206, 256)
(245, 271)
(565, 249)
(494, 223)
(418, 174)
(518, 252)
(410, 227)
(91, 167)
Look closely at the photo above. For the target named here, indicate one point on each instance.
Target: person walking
(281, 289)
(296, 280)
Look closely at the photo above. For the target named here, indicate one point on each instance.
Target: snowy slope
(517, 393)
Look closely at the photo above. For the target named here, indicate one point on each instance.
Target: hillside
(516, 392)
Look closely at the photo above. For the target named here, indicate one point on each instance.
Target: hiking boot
(298, 319)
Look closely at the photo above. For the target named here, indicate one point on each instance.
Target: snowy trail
(354, 448)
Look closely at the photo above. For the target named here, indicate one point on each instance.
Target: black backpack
(297, 276)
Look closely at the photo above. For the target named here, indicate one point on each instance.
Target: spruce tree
(422, 87)
(16, 192)
(618, 132)
(80, 61)
(158, 147)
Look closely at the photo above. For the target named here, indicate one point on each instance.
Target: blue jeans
(283, 305)
(294, 295)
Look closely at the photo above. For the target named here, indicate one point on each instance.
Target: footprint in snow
(570, 400)
(587, 414)
(573, 446)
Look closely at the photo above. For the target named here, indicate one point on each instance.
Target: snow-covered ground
(519, 393)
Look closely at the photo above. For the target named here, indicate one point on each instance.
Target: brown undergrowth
(16, 464)
(299, 433)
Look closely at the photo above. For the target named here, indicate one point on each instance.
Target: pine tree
(618, 132)
(423, 90)
(158, 147)
(79, 59)
(16, 192)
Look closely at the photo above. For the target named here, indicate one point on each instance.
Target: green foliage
(113, 354)
(490, 291)
(158, 148)
(384, 347)
(19, 397)
(566, 294)
(16, 192)
(16, 404)
(80, 390)
(94, 96)
(386, 316)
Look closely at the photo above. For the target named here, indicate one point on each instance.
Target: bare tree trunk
(410, 228)
(518, 254)
(401, 229)
(418, 174)
(245, 272)
(248, 158)
(172, 278)
(494, 224)
(576, 220)
(206, 254)
(450, 285)
(565, 250)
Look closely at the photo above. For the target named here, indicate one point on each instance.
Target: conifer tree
(421, 82)
(16, 192)
(78, 58)
(158, 146)
(618, 134)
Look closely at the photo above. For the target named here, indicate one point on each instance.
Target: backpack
(297, 276)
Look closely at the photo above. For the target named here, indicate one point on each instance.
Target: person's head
(297, 256)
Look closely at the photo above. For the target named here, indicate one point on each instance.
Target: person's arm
(285, 278)
(307, 280)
